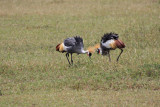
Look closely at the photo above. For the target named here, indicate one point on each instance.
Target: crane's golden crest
(97, 46)
(93, 48)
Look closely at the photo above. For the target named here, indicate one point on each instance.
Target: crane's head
(89, 54)
(98, 51)
(92, 49)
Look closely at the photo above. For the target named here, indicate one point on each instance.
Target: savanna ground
(32, 73)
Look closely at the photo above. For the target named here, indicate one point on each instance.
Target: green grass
(32, 73)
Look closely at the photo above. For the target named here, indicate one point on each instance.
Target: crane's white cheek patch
(108, 44)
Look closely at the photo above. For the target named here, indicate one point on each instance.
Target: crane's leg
(119, 54)
(71, 59)
(67, 55)
(109, 56)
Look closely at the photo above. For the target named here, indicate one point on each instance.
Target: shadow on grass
(146, 70)
(151, 70)
(140, 78)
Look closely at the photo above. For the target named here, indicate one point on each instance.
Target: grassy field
(32, 73)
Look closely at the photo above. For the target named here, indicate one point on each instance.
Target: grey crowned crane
(110, 41)
(72, 45)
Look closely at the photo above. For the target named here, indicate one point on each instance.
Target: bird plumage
(109, 36)
(72, 45)
(110, 41)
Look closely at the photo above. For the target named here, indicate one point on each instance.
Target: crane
(72, 45)
(110, 41)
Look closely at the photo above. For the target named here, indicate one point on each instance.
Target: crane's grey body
(74, 45)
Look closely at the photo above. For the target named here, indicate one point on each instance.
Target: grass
(85, 98)
(32, 73)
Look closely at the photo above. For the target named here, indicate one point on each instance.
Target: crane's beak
(98, 51)
(90, 54)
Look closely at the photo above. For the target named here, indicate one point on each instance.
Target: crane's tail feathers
(93, 48)
(57, 47)
(120, 44)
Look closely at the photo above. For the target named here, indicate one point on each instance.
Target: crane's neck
(88, 53)
(100, 51)
(84, 51)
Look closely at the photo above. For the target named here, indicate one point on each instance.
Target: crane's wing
(74, 42)
(79, 42)
(70, 42)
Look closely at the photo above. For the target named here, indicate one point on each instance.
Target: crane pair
(108, 42)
